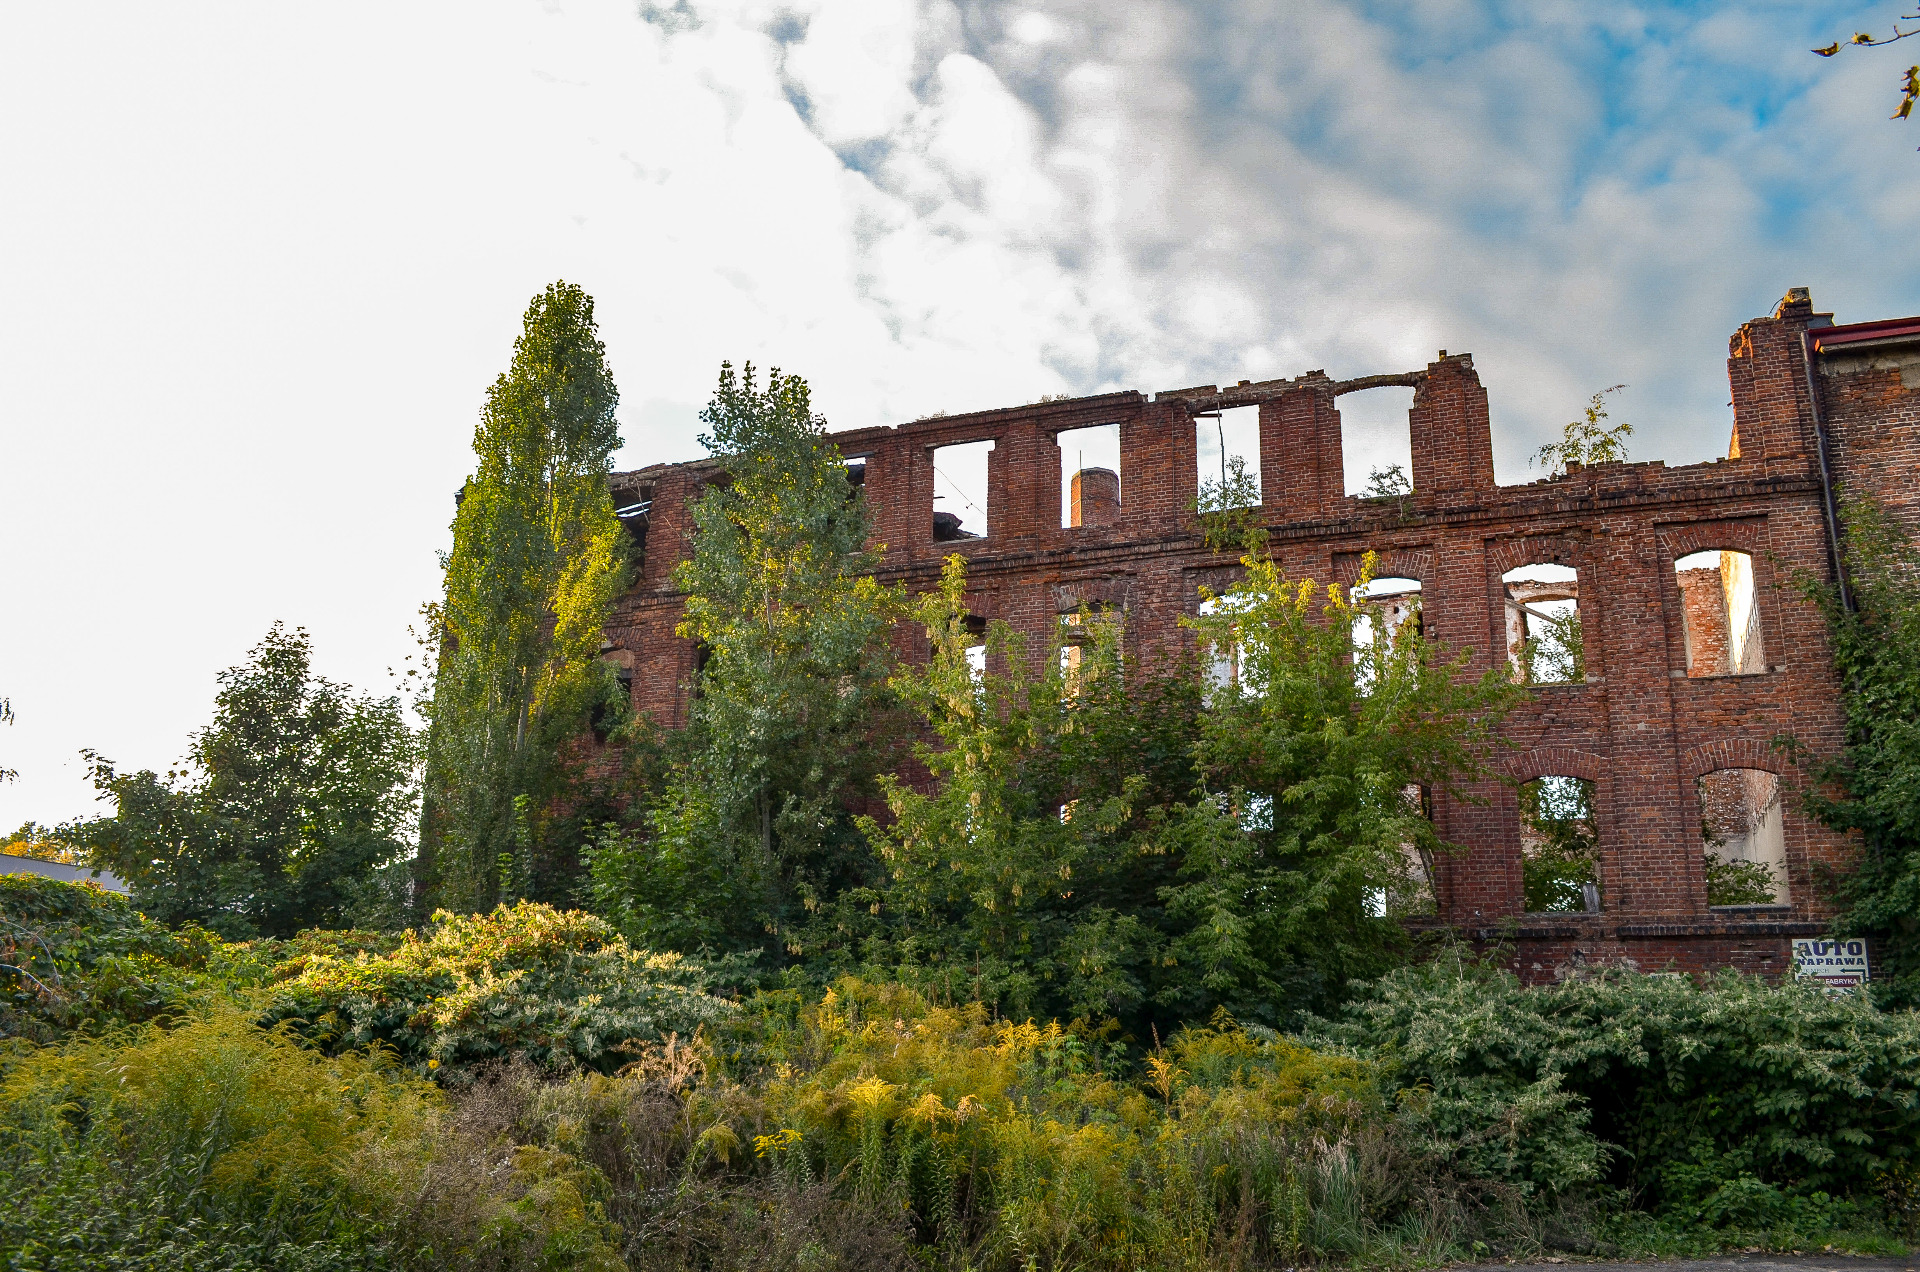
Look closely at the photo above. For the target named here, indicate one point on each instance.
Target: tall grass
(216, 1144)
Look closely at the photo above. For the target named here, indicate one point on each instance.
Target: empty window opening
(1544, 645)
(1227, 458)
(1409, 892)
(1376, 442)
(1089, 475)
(1083, 637)
(635, 509)
(1221, 656)
(1743, 837)
(1386, 605)
(1718, 614)
(857, 469)
(960, 491)
(976, 636)
(1559, 852)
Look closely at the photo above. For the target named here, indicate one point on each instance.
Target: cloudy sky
(259, 261)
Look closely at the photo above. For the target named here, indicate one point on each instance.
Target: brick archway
(1389, 563)
(1730, 536)
(1732, 753)
(1554, 761)
(1511, 554)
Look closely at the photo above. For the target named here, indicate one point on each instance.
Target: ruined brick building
(1690, 656)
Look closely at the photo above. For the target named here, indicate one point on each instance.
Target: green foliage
(74, 956)
(296, 793)
(1729, 1104)
(1098, 840)
(1873, 788)
(219, 1145)
(1228, 510)
(559, 988)
(1028, 873)
(787, 729)
(538, 560)
(1586, 440)
(1563, 854)
(1736, 882)
(1311, 759)
(1557, 654)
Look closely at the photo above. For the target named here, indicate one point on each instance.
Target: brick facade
(1640, 727)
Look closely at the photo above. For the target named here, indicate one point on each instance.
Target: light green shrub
(558, 987)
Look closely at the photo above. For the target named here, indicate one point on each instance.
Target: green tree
(1586, 440)
(1100, 840)
(1873, 787)
(538, 561)
(1317, 759)
(296, 793)
(754, 828)
(1028, 875)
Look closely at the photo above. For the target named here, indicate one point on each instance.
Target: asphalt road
(1729, 1263)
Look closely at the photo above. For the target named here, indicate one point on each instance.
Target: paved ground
(1728, 1263)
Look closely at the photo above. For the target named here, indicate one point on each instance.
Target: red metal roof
(1825, 338)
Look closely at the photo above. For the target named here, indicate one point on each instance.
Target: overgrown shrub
(73, 956)
(1732, 1103)
(557, 987)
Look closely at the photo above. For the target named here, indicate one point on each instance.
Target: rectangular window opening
(1227, 458)
(1559, 849)
(1545, 645)
(1743, 837)
(960, 491)
(1718, 614)
(1089, 476)
(1376, 442)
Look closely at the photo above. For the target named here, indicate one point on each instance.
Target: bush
(1732, 1103)
(558, 987)
(77, 956)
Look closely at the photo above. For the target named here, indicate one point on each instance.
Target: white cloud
(263, 264)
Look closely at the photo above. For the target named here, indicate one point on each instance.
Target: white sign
(1839, 965)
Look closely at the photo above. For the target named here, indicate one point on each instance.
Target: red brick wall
(1640, 727)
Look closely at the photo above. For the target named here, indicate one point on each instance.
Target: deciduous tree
(755, 825)
(290, 799)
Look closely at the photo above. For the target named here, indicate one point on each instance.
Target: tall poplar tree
(538, 560)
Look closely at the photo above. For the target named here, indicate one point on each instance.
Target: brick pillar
(1452, 436)
(1157, 465)
(1772, 421)
(1301, 465)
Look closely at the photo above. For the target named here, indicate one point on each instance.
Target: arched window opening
(1544, 644)
(1227, 458)
(1559, 851)
(960, 491)
(1718, 614)
(1743, 837)
(1385, 605)
(1089, 476)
